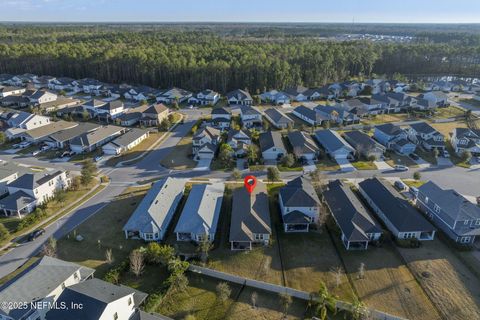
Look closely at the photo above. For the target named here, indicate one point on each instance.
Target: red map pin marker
(250, 182)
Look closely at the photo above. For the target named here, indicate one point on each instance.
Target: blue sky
(425, 11)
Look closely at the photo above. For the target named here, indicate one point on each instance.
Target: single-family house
(438, 97)
(426, 136)
(250, 117)
(465, 139)
(199, 218)
(20, 122)
(303, 146)
(275, 97)
(250, 222)
(378, 85)
(299, 205)
(297, 93)
(153, 215)
(424, 104)
(364, 145)
(239, 97)
(357, 226)
(125, 142)
(403, 221)
(205, 143)
(334, 145)
(221, 118)
(394, 138)
(319, 93)
(337, 114)
(88, 85)
(62, 139)
(42, 82)
(450, 212)
(278, 119)
(239, 140)
(154, 115)
(18, 204)
(173, 95)
(271, 145)
(42, 133)
(205, 98)
(9, 172)
(309, 115)
(92, 140)
(42, 282)
(42, 96)
(61, 83)
(110, 111)
(8, 91)
(39, 186)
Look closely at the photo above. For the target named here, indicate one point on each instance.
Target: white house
(88, 142)
(41, 187)
(221, 118)
(297, 93)
(205, 98)
(275, 97)
(8, 91)
(205, 142)
(125, 142)
(239, 97)
(27, 121)
(173, 95)
(250, 117)
(334, 145)
(42, 96)
(271, 145)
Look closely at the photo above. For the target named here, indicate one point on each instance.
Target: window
(436, 208)
(477, 222)
(465, 239)
(426, 199)
(258, 236)
(465, 222)
(75, 276)
(148, 236)
(115, 316)
(129, 300)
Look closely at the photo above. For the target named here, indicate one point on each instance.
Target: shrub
(3, 232)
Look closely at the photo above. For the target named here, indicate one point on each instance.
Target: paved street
(465, 181)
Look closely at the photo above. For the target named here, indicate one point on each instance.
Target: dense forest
(256, 57)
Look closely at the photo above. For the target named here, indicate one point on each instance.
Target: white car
(399, 167)
(36, 152)
(24, 144)
(46, 147)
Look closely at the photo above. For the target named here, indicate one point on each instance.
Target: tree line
(196, 60)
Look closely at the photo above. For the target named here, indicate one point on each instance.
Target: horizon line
(232, 22)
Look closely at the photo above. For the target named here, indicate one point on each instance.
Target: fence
(273, 288)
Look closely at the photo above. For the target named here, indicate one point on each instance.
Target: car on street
(400, 185)
(400, 167)
(35, 234)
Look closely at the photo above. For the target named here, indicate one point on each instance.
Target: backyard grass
(101, 232)
(364, 165)
(180, 158)
(472, 102)
(387, 284)
(448, 112)
(137, 150)
(384, 118)
(446, 128)
(200, 300)
(451, 286)
(327, 164)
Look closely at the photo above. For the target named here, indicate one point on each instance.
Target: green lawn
(364, 165)
(426, 155)
(137, 150)
(327, 164)
(472, 102)
(104, 231)
(414, 183)
(448, 112)
(295, 167)
(396, 159)
(456, 160)
(180, 158)
(84, 156)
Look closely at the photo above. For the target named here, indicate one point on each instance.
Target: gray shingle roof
(331, 141)
(271, 139)
(16, 201)
(130, 136)
(302, 142)
(397, 210)
(250, 214)
(277, 116)
(451, 202)
(202, 209)
(37, 281)
(94, 295)
(96, 136)
(361, 140)
(299, 193)
(351, 216)
(390, 129)
(71, 133)
(239, 95)
(151, 213)
(31, 181)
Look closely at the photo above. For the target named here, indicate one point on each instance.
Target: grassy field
(101, 232)
(364, 165)
(137, 150)
(451, 286)
(180, 158)
(387, 284)
(448, 112)
(472, 102)
(414, 183)
(295, 167)
(447, 128)
(426, 155)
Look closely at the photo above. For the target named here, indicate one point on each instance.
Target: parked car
(36, 152)
(414, 191)
(414, 156)
(46, 147)
(400, 185)
(399, 167)
(66, 154)
(98, 158)
(446, 154)
(24, 144)
(35, 234)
